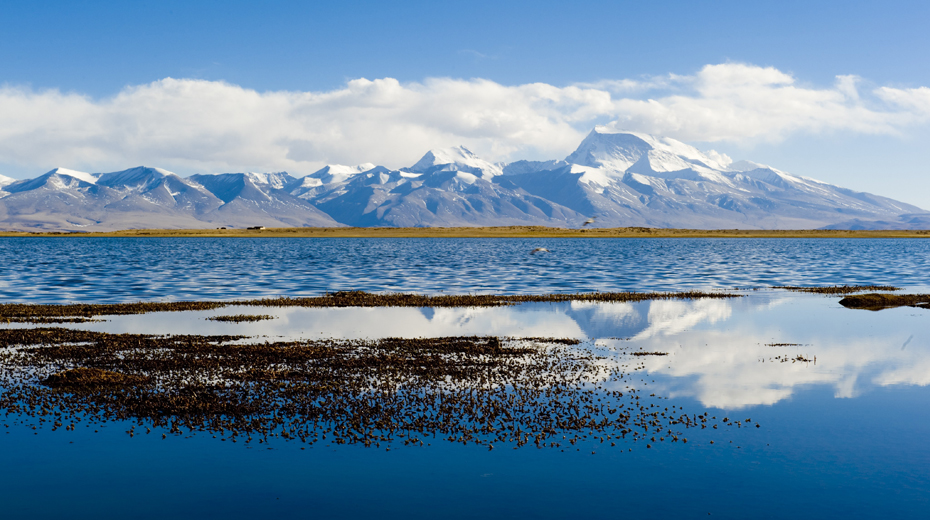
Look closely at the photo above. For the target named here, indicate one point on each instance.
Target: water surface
(56, 270)
(840, 395)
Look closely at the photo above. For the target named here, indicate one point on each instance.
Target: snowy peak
(380, 175)
(230, 186)
(140, 177)
(57, 179)
(615, 152)
(523, 166)
(89, 178)
(274, 180)
(441, 156)
(338, 173)
(457, 158)
(618, 151)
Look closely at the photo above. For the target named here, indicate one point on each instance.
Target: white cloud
(195, 125)
(916, 100)
(739, 103)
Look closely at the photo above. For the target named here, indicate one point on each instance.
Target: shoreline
(482, 232)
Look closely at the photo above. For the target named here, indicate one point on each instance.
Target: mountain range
(620, 179)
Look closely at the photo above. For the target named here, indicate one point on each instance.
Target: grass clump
(878, 301)
(84, 379)
(484, 391)
(40, 313)
(838, 289)
(240, 318)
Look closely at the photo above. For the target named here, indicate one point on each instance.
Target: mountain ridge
(621, 178)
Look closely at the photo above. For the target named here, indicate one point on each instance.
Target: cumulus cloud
(215, 125)
(196, 125)
(738, 102)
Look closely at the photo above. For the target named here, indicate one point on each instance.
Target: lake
(56, 270)
(826, 406)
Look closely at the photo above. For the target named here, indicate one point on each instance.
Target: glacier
(621, 178)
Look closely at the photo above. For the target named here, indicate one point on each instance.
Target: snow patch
(591, 175)
(745, 166)
(81, 176)
(275, 180)
(332, 173)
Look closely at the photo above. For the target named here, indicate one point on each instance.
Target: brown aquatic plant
(839, 289)
(879, 301)
(32, 312)
(480, 390)
(92, 379)
(240, 318)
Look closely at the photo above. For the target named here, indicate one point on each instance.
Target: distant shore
(487, 232)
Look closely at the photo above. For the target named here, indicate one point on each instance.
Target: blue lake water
(843, 433)
(55, 270)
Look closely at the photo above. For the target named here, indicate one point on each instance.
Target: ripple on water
(55, 270)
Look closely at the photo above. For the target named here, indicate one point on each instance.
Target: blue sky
(94, 56)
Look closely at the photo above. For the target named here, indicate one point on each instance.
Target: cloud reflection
(732, 365)
(719, 351)
(672, 317)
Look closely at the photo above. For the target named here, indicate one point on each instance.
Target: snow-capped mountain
(620, 152)
(459, 159)
(621, 178)
(635, 179)
(251, 199)
(141, 197)
(441, 196)
(447, 187)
